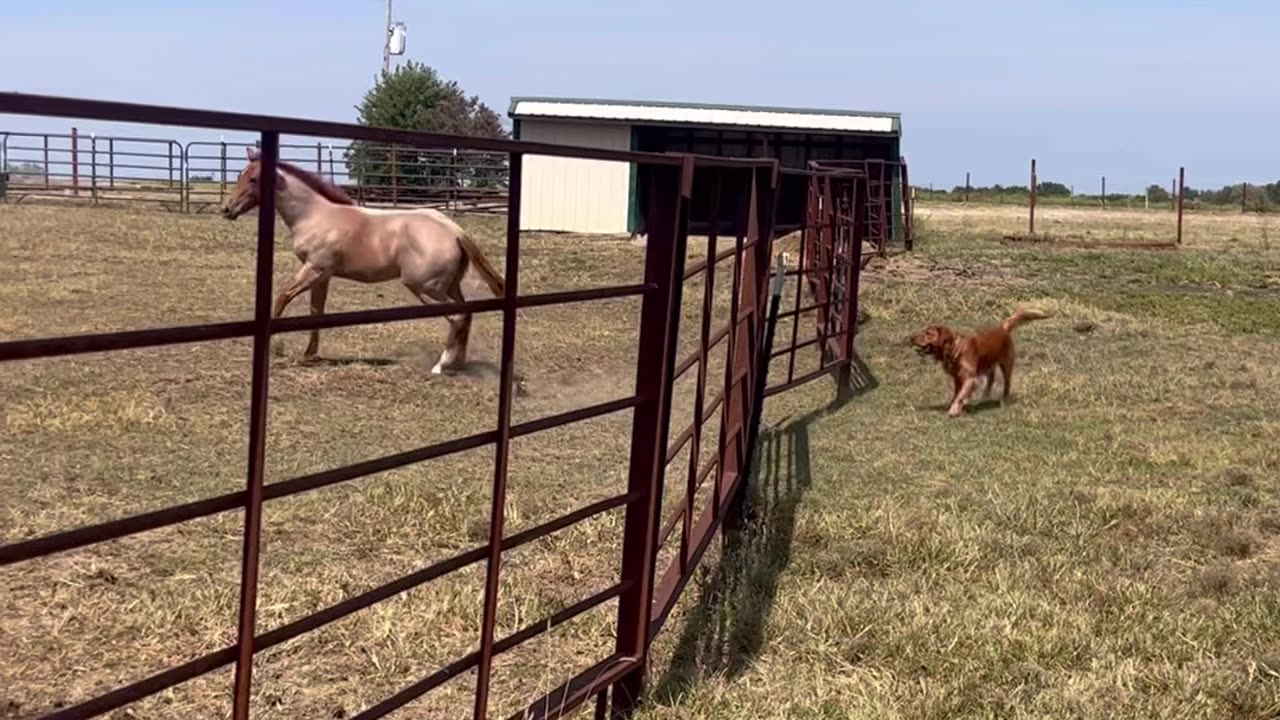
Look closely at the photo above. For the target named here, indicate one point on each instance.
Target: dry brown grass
(1106, 546)
(93, 438)
(1201, 230)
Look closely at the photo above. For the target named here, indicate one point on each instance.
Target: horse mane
(328, 190)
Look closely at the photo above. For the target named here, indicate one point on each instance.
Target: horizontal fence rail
(837, 223)
(195, 177)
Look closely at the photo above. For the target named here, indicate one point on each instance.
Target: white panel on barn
(571, 194)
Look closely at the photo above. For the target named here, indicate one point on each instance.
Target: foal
(334, 237)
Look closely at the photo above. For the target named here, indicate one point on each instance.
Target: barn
(602, 197)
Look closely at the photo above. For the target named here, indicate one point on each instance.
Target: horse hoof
(437, 370)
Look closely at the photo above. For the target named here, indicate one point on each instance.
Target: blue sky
(1129, 89)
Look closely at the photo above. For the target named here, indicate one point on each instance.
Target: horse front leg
(307, 277)
(319, 293)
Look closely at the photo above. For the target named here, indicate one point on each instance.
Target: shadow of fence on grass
(725, 630)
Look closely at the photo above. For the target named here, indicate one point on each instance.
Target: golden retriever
(968, 357)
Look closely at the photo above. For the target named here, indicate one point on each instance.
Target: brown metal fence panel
(92, 169)
(826, 278)
(197, 176)
(829, 266)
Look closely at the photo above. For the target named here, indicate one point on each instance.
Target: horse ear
(251, 153)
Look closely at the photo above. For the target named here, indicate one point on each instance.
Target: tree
(1051, 189)
(1273, 192)
(415, 97)
(17, 170)
(1158, 194)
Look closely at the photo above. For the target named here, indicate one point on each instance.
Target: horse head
(246, 194)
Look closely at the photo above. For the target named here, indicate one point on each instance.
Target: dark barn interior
(792, 149)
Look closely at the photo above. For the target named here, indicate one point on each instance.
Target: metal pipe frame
(644, 599)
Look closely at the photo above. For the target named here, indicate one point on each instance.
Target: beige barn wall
(571, 194)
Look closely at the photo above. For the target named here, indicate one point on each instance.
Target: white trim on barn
(780, 119)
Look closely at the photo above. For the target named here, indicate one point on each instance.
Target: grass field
(1104, 546)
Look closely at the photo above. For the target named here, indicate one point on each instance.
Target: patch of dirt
(920, 268)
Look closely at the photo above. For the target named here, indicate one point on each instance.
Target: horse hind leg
(455, 349)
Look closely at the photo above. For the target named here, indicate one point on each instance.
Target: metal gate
(825, 286)
(645, 592)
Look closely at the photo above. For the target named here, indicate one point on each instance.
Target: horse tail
(497, 285)
(1020, 317)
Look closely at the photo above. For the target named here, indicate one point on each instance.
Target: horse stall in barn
(795, 136)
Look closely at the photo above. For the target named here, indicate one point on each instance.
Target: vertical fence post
(740, 238)
(75, 162)
(93, 167)
(1244, 197)
(257, 426)
(502, 445)
(111, 162)
(46, 162)
(744, 352)
(859, 211)
(1104, 192)
(394, 178)
(1182, 193)
(222, 184)
(699, 398)
(667, 222)
(763, 360)
(908, 208)
(883, 210)
(966, 188)
(1032, 230)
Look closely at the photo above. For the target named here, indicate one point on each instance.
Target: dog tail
(1022, 316)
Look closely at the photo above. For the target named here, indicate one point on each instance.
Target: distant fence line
(1244, 196)
(196, 176)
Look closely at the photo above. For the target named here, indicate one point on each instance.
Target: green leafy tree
(1053, 189)
(415, 97)
(1158, 194)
